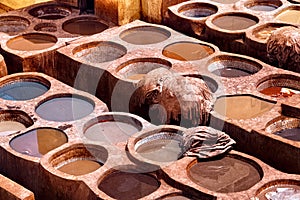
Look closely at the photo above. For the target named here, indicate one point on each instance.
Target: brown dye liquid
(111, 131)
(290, 133)
(280, 192)
(230, 72)
(80, 167)
(263, 7)
(136, 76)
(38, 142)
(289, 16)
(9, 127)
(241, 107)
(85, 27)
(224, 175)
(186, 51)
(143, 37)
(233, 23)
(225, 1)
(128, 186)
(277, 92)
(30, 43)
(64, 109)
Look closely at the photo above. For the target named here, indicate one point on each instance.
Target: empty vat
(65, 107)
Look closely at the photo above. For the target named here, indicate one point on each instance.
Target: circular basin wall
(263, 5)
(198, 10)
(13, 24)
(84, 26)
(50, 12)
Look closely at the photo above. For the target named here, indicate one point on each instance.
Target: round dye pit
(45, 27)
(279, 86)
(198, 10)
(263, 5)
(233, 66)
(187, 51)
(289, 16)
(32, 42)
(38, 142)
(79, 159)
(23, 89)
(65, 108)
(242, 106)
(13, 24)
(99, 52)
(136, 69)
(263, 32)
(112, 128)
(84, 26)
(161, 145)
(235, 21)
(288, 128)
(279, 190)
(12, 121)
(144, 35)
(127, 186)
(51, 12)
(225, 1)
(224, 175)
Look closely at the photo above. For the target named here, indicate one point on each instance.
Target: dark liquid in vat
(290, 133)
(242, 107)
(22, 90)
(38, 142)
(80, 167)
(64, 109)
(278, 92)
(85, 27)
(263, 7)
(233, 23)
(128, 186)
(280, 192)
(111, 131)
(31, 43)
(186, 51)
(224, 175)
(230, 72)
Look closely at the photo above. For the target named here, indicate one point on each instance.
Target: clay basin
(136, 69)
(112, 128)
(231, 173)
(285, 127)
(279, 85)
(50, 11)
(197, 10)
(233, 66)
(99, 51)
(187, 51)
(12, 121)
(263, 5)
(65, 107)
(226, 1)
(279, 189)
(38, 142)
(84, 25)
(23, 87)
(126, 184)
(45, 27)
(242, 106)
(211, 83)
(235, 21)
(143, 35)
(32, 42)
(289, 15)
(78, 159)
(13, 24)
(158, 146)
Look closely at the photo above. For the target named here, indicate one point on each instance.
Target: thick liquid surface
(64, 109)
(22, 90)
(230, 72)
(241, 107)
(111, 131)
(290, 133)
(289, 16)
(186, 51)
(31, 43)
(280, 192)
(224, 175)
(9, 127)
(233, 23)
(38, 142)
(128, 186)
(80, 167)
(85, 27)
